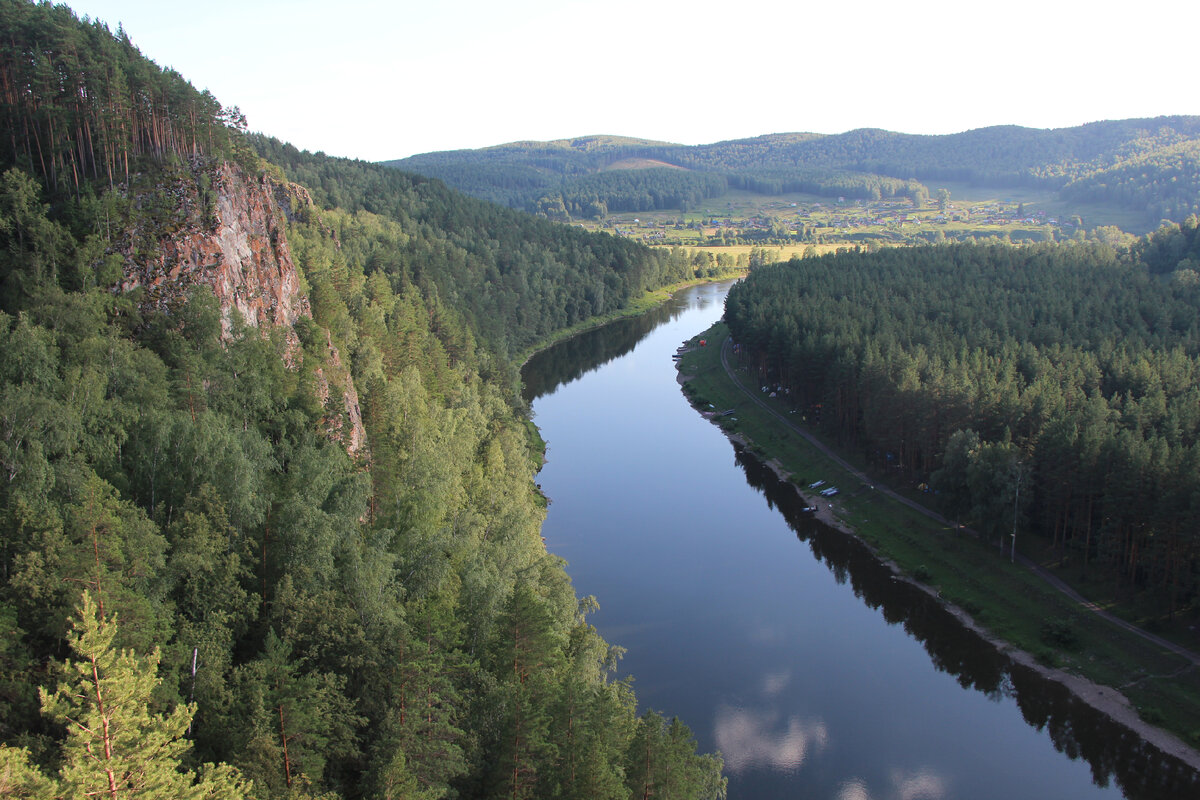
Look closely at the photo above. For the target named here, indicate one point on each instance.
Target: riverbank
(1005, 603)
(649, 300)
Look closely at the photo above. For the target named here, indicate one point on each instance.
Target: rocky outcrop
(217, 227)
(339, 397)
(231, 239)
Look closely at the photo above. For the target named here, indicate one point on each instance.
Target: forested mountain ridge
(188, 534)
(1095, 161)
(518, 278)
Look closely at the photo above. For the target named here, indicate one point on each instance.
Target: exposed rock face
(244, 258)
(336, 390)
(227, 231)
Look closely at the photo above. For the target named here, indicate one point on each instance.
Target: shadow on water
(586, 352)
(1113, 752)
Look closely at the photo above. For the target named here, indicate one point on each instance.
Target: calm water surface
(779, 641)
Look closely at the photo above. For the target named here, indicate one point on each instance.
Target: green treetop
(116, 747)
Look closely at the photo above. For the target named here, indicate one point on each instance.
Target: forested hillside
(1144, 165)
(288, 529)
(1056, 382)
(517, 278)
(1163, 180)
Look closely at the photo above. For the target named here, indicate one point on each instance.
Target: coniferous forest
(1058, 383)
(292, 560)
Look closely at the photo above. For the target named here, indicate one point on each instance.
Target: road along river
(779, 641)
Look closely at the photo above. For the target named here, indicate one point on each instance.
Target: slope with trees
(318, 621)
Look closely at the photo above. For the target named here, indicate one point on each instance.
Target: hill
(268, 497)
(1098, 163)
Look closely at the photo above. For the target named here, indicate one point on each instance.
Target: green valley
(861, 187)
(270, 523)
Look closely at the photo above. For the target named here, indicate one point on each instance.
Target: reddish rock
(232, 238)
(244, 257)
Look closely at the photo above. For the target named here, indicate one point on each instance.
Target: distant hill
(1146, 165)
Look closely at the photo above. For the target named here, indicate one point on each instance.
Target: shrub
(1059, 632)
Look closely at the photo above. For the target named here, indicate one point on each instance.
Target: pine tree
(662, 763)
(115, 746)
(297, 721)
(527, 658)
(594, 718)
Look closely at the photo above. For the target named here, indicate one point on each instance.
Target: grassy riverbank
(649, 300)
(1010, 601)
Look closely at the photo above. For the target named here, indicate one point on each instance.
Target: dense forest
(517, 278)
(589, 177)
(594, 196)
(81, 106)
(1058, 383)
(195, 567)
(1163, 180)
(1145, 165)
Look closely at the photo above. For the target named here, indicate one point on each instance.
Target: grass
(1010, 601)
(775, 252)
(840, 224)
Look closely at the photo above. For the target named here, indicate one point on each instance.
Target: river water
(781, 642)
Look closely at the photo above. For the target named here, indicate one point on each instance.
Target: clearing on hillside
(641, 163)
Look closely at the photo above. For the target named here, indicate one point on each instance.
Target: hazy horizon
(382, 81)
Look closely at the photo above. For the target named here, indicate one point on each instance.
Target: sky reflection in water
(750, 739)
(922, 784)
(812, 671)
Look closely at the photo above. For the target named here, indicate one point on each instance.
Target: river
(779, 641)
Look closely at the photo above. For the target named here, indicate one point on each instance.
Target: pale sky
(379, 80)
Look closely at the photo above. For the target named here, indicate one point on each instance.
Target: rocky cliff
(219, 228)
(213, 225)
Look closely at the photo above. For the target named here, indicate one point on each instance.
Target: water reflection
(853, 789)
(775, 683)
(1076, 729)
(749, 739)
(805, 690)
(575, 357)
(922, 784)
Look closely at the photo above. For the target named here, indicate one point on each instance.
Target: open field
(1093, 215)
(738, 221)
(774, 252)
